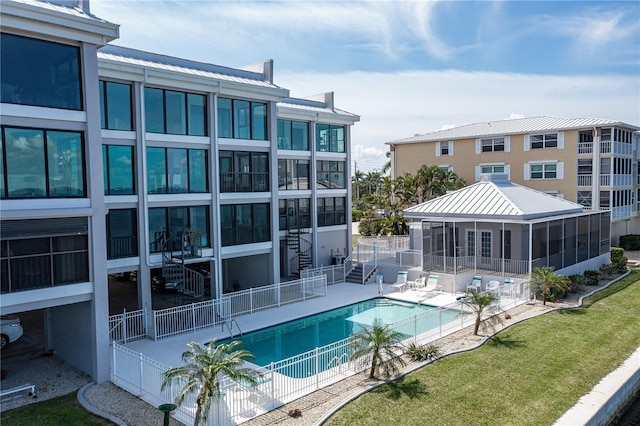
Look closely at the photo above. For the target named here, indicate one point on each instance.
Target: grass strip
(529, 374)
(63, 410)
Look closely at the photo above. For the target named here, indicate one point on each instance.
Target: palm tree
(204, 368)
(379, 345)
(544, 279)
(479, 302)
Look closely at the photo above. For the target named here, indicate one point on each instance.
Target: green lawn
(529, 375)
(61, 411)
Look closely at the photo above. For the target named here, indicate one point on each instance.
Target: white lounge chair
(509, 288)
(419, 283)
(401, 281)
(493, 286)
(430, 289)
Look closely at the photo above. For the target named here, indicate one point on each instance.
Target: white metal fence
(285, 380)
(164, 323)
(334, 273)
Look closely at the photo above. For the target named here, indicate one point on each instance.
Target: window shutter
(560, 170)
(438, 149)
(478, 168)
(450, 143)
(527, 175)
(560, 140)
(478, 146)
(507, 144)
(507, 170)
(527, 143)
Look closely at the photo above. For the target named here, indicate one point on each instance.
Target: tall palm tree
(479, 303)
(544, 279)
(204, 368)
(378, 345)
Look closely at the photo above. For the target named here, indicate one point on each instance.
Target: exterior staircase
(189, 283)
(302, 247)
(355, 276)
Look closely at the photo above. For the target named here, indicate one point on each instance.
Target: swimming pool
(295, 337)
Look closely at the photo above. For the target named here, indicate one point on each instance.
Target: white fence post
(193, 316)
(251, 299)
(317, 369)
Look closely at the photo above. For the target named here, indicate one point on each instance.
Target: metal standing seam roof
(58, 7)
(319, 108)
(509, 127)
(494, 199)
(168, 63)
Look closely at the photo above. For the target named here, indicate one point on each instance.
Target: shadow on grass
(411, 387)
(506, 342)
(576, 311)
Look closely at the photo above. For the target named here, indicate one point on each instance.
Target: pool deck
(169, 351)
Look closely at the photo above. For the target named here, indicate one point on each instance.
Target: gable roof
(494, 199)
(513, 126)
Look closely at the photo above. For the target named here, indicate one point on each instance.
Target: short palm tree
(204, 368)
(544, 279)
(378, 345)
(479, 303)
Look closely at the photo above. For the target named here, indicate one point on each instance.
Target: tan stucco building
(550, 154)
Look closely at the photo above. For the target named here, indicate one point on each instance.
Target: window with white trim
(444, 148)
(492, 144)
(492, 168)
(544, 141)
(543, 170)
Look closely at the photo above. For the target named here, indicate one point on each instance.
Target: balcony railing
(585, 180)
(622, 180)
(460, 264)
(585, 148)
(244, 182)
(120, 247)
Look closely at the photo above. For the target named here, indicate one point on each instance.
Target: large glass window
(294, 213)
(492, 145)
(293, 135)
(329, 138)
(331, 211)
(243, 171)
(543, 171)
(170, 222)
(293, 174)
(176, 170)
(330, 175)
(241, 119)
(122, 240)
(244, 224)
(175, 113)
(115, 106)
(549, 140)
(39, 73)
(118, 167)
(35, 169)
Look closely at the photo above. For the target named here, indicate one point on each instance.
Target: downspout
(215, 192)
(596, 168)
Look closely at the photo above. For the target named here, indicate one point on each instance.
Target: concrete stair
(355, 276)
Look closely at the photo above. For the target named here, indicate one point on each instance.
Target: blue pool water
(286, 340)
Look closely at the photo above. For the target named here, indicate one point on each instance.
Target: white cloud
(513, 116)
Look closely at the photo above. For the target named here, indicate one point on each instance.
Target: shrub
(618, 260)
(591, 277)
(575, 283)
(630, 242)
(422, 353)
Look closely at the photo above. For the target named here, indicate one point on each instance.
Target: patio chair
(431, 289)
(401, 281)
(509, 288)
(493, 286)
(419, 283)
(475, 284)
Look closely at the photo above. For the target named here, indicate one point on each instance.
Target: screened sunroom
(500, 229)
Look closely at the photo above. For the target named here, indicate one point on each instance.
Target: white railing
(585, 147)
(334, 273)
(622, 148)
(160, 324)
(390, 242)
(187, 318)
(622, 212)
(408, 257)
(458, 264)
(281, 381)
(605, 180)
(128, 326)
(585, 180)
(605, 147)
(368, 266)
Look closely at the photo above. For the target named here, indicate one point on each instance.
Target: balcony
(622, 180)
(585, 148)
(585, 180)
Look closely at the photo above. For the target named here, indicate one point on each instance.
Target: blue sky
(412, 67)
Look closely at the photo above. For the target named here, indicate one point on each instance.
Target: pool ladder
(229, 325)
